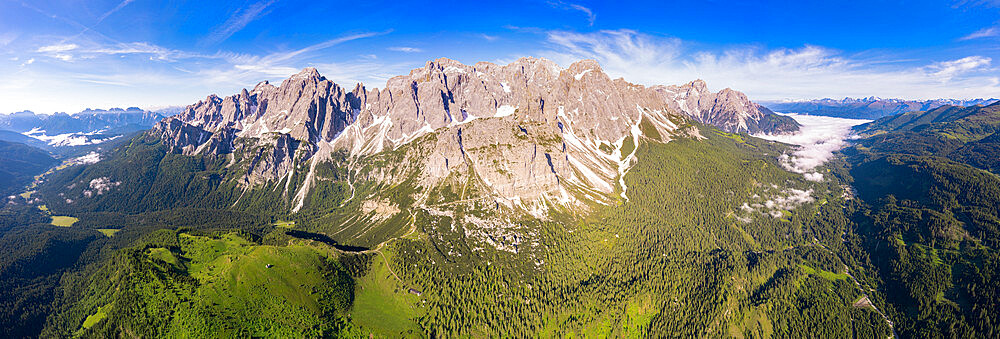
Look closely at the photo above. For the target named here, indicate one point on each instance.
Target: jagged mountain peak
(307, 73)
(585, 64)
(263, 85)
(697, 84)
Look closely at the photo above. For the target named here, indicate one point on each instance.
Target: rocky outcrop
(180, 136)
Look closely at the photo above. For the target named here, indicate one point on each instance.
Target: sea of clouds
(818, 138)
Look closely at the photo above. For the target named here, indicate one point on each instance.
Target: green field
(384, 305)
(108, 232)
(95, 318)
(285, 224)
(63, 221)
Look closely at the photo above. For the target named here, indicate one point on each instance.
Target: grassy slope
(218, 287)
(383, 305)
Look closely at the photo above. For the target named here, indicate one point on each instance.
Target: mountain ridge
(582, 119)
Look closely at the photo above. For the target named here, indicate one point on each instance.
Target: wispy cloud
(57, 48)
(286, 56)
(156, 52)
(237, 21)
(976, 3)
(982, 33)
(489, 37)
(83, 28)
(102, 17)
(243, 68)
(773, 74)
(406, 49)
(591, 17)
(58, 51)
(90, 49)
(7, 37)
(113, 10)
(590, 14)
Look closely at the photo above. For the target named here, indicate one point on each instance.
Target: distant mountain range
(867, 108)
(61, 130)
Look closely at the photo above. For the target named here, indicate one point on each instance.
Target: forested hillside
(931, 217)
(19, 163)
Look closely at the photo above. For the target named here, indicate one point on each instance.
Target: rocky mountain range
(535, 133)
(868, 108)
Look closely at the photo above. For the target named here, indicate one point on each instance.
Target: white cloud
(773, 74)
(814, 176)
(406, 49)
(57, 48)
(818, 138)
(949, 69)
(489, 37)
(28, 62)
(983, 33)
(237, 21)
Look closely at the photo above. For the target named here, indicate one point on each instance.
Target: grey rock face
(727, 109)
(533, 133)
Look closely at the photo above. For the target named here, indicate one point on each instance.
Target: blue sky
(70, 55)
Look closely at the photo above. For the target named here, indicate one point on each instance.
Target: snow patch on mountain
(505, 110)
